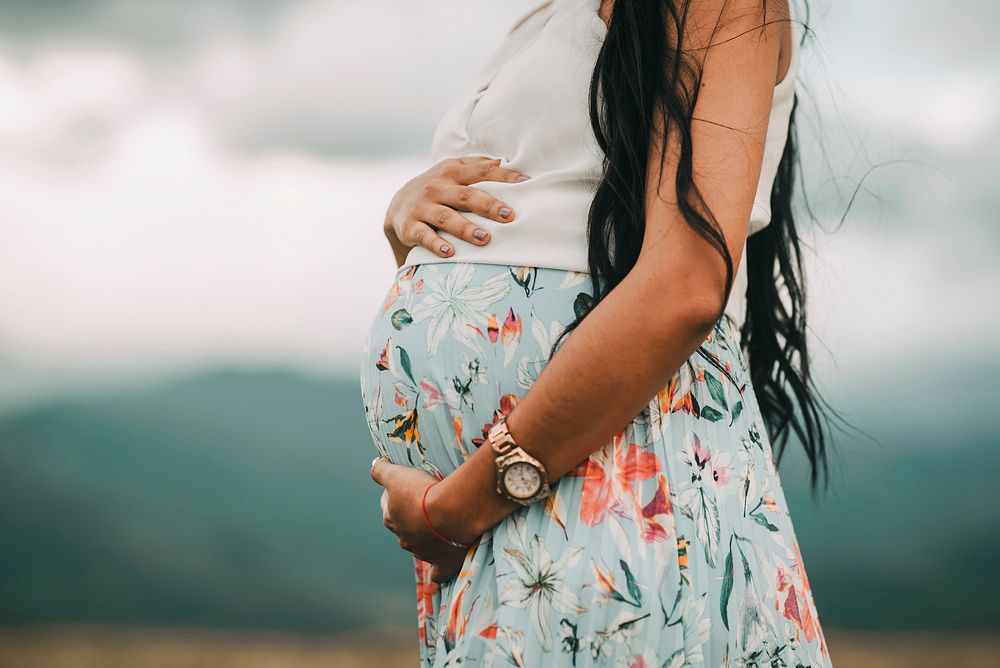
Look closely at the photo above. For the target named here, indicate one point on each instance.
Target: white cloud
(52, 98)
(169, 250)
(345, 77)
(136, 239)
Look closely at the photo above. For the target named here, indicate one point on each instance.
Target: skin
(589, 391)
(431, 201)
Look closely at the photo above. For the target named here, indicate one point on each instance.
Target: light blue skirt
(671, 546)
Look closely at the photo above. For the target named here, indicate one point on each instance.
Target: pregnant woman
(573, 443)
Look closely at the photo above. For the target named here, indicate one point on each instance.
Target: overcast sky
(190, 183)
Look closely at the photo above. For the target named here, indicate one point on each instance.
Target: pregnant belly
(453, 346)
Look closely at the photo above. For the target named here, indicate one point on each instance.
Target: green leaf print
(716, 390)
(746, 565)
(582, 304)
(727, 586)
(737, 409)
(633, 589)
(404, 360)
(710, 413)
(761, 520)
(401, 318)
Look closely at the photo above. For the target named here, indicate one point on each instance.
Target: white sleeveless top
(528, 106)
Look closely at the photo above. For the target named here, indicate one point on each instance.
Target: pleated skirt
(670, 546)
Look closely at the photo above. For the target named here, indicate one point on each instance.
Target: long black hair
(642, 70)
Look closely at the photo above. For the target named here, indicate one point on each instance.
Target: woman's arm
(636, 338)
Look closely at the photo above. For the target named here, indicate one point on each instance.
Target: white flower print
(697, 628)
(459, 392)
(538, 586)
(697, 501)
(529, 368)
(752, 628)
(606, 642)
(373, 416)
(511, 642)
(573, 278)
(453, 303)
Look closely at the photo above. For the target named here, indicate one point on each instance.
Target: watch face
(522, 480)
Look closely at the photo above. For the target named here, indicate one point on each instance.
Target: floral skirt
(671, 546)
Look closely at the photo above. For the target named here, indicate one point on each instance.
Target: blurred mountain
(243, 500)
(233, 499)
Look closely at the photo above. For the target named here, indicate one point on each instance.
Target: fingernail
(504, 212)
(479, 234)
(522, 178)
(445, 248)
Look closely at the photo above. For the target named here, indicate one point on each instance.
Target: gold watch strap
(500, 437)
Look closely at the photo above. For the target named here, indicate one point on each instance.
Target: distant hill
(232, 499)
(243, 500)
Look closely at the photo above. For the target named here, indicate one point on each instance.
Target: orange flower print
(526, 277)
(508, 403)
(510, 335)
(492, 329)
(656, 527)
(678, 395)
(610, 475)
(811, 624)
(797, 605)
(405, 431)
(406, 427)
(426, 588)
(457, 622)
(682, 552)
(490, 632)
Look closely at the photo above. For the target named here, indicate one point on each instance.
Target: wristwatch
(520, 477)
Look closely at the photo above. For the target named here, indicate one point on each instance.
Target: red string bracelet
(423, 507)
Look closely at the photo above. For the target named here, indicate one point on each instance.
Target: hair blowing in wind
(644, 74)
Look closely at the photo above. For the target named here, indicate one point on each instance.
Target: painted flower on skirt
(425, 596)
(459, 392)
(607, 588)
(538, 586)
(403, 287)
(608, 641)
(512, 643)
(796, 599)
(508, 403)
(707, 469)
(697, 628)
(708, 485)
(612, 477)
(452, 303)
(457, 622)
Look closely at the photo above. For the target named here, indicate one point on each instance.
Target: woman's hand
(402, 513)
(431, 202)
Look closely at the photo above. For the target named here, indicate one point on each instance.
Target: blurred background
(191, 200)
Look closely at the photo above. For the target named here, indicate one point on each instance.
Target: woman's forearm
(605, 373)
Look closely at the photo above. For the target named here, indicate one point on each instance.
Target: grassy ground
(115, 647)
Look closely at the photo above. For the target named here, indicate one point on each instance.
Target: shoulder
(711, 22)
(745, 36)
(530, 14)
